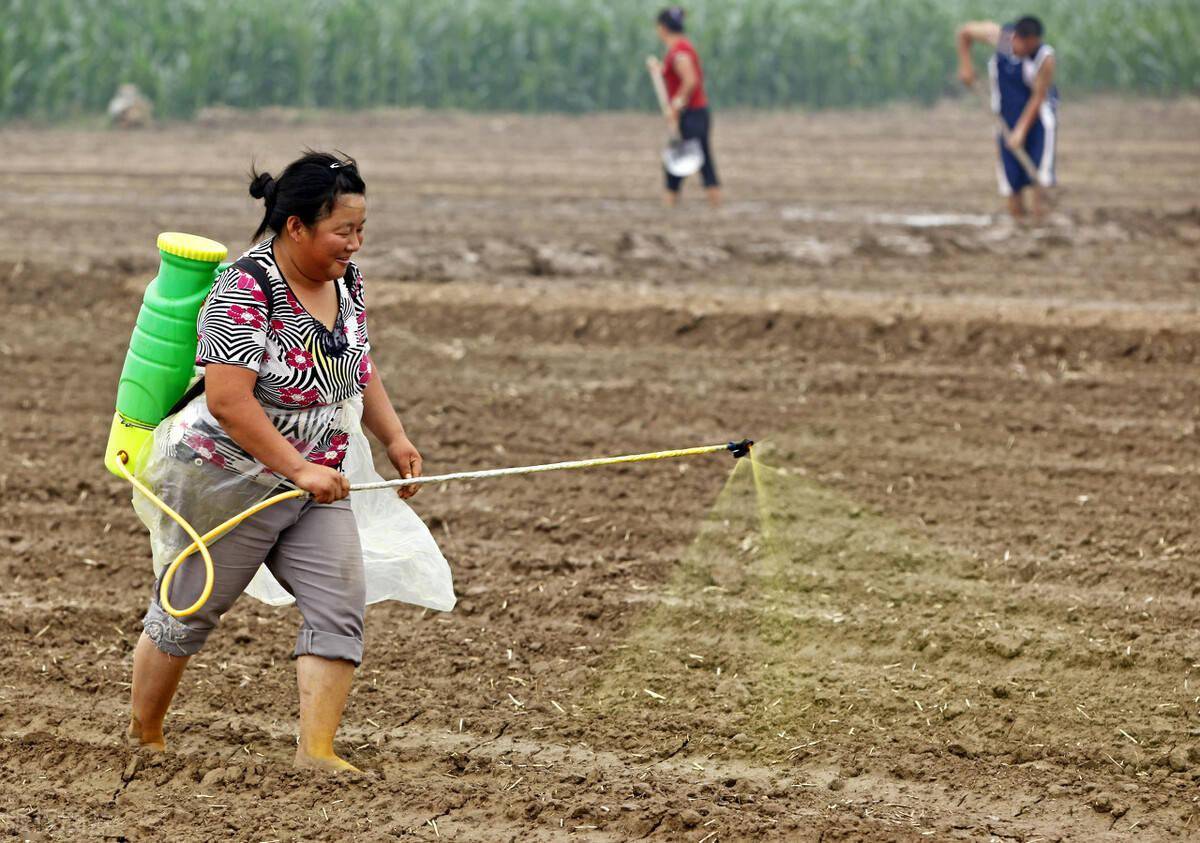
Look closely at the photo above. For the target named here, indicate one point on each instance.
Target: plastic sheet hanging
(193, 472)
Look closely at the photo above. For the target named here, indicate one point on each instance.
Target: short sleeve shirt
(299, 362)
(674, 81)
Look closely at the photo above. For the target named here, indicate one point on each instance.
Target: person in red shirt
(688, 103)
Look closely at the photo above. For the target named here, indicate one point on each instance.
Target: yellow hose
(199, 542)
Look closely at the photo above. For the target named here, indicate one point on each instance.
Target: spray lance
(160, 365)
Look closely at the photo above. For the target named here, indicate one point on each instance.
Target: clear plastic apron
(401, 560)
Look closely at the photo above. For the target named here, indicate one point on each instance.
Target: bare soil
(961, 601)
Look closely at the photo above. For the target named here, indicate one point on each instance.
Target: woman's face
(326, 247)
(663, 34)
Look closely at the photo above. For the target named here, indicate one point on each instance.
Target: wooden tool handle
(1006, 135)
(660, 87)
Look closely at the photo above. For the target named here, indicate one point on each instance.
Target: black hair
(671, 19)
(308, 188)
(1028, 27)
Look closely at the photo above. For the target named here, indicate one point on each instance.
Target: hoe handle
(660, 88)
(1006, 135)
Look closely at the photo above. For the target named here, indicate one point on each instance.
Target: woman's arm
(229, 391)
(380, 418)
(985, 31)
(688, 80)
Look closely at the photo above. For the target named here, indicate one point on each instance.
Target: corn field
(65, 58)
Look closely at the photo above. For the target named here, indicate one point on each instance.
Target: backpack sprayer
(160, 366)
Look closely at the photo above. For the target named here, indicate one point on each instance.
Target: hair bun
(671, 18)
(262, 186)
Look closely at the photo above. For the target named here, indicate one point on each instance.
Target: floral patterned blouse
(302, 366)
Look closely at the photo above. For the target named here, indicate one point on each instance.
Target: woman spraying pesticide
(288, 384)
(273, 431)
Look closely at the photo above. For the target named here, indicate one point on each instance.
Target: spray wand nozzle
(740, 449)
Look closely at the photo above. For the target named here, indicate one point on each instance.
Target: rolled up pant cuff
(171, 635)
(329, 645)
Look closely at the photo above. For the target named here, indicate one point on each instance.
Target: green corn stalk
(63, 58)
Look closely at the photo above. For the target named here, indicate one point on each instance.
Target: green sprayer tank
(162, 351)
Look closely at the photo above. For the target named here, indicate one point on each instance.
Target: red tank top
(674, 82)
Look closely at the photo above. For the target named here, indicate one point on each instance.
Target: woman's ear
(296, 229)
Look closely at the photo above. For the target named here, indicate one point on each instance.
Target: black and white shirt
(300, 363)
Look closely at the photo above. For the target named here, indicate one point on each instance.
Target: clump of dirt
(651, 251)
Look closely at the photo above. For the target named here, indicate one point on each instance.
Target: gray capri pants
(313, 550)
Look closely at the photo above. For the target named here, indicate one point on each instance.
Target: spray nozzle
(740, 449)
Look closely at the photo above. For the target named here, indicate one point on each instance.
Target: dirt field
(961, 601)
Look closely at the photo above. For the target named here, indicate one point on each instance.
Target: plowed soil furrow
(961, 602)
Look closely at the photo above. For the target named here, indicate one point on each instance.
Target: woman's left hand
(407, 460)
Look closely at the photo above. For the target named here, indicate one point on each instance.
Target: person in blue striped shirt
(1023, 95)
